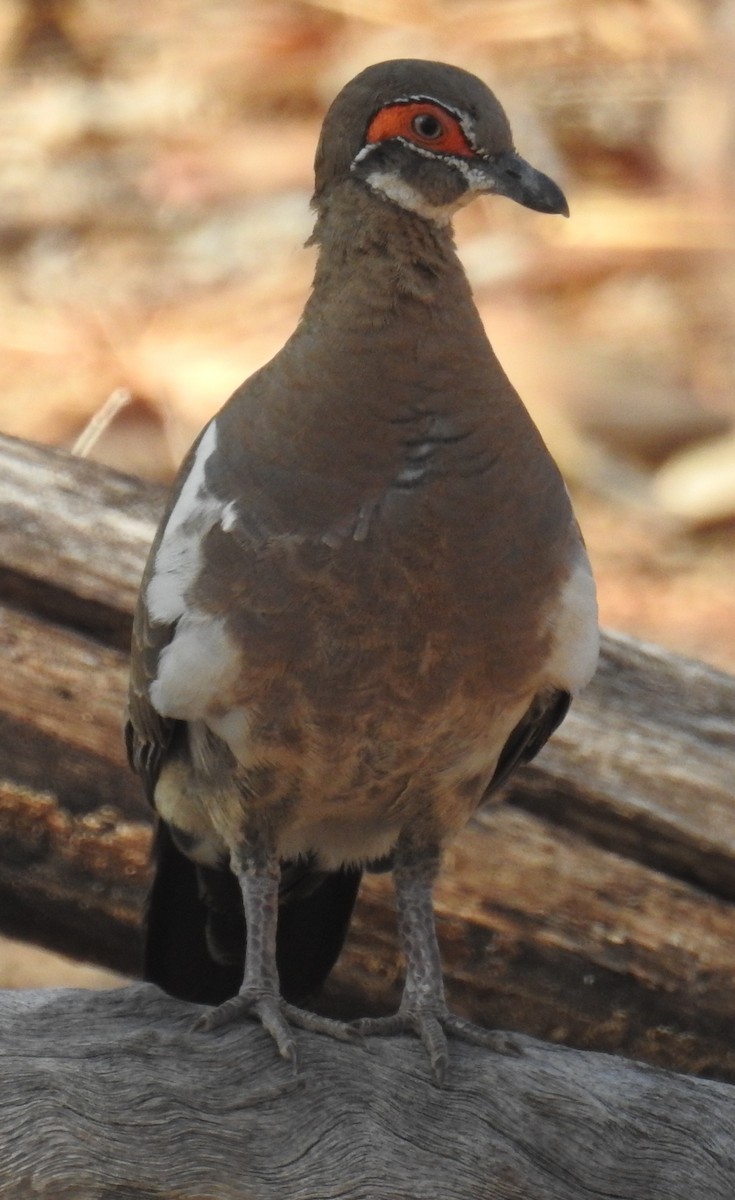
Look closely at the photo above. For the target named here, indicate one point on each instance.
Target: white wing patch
(202, 662)
(179, 555)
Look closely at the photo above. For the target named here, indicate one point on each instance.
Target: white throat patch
(391, 185)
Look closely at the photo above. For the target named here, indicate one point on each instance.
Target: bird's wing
(195, 929)
(530, 735)
(147, 734)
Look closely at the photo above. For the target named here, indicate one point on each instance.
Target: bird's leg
(423, 1008)
(260, 996)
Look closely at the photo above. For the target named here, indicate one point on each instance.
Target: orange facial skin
(425, 124)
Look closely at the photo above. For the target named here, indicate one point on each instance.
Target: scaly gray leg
(259, 995)
(423, 1008)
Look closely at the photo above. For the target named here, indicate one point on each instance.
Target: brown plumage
(369, 599)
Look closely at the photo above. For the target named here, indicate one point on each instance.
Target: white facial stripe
(422, 150)
(477, 180)
(391, 185)
(363, 153)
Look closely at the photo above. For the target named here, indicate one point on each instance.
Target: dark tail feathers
(195, 929)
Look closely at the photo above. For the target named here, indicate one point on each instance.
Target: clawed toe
(277, 1018)
(432, 1027)
(264, 1008)
(425, 1024)
(224, 1014)
(491, 1039)
(343, 1031)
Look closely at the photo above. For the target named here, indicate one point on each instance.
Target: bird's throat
(375, 255)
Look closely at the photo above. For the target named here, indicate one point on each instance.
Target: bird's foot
(432, 1024)
(277, 1018)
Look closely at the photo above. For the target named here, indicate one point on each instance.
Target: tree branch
(129, 1102)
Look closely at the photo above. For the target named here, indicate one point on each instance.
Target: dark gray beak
(510, 175)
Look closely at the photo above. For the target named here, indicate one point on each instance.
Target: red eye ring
(404, 120)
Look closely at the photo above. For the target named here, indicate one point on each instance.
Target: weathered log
(108, 1094)
(73, 538)
(74, 829)
(643, 763)
(595, 908)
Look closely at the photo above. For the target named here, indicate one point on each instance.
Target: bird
(368, 600)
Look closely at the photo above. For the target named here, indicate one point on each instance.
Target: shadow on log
(111, 1094)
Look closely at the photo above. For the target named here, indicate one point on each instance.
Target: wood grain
(131, 1103)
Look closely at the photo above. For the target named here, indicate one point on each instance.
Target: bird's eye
(422, 122)
(426, 125)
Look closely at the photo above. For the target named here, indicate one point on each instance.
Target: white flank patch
(196, 669)
(234, 727)
(179, 555)
(576, 634)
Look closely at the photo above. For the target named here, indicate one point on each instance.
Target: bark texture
(130, 1103)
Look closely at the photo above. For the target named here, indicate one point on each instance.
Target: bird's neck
(376, 258)
(390, 359)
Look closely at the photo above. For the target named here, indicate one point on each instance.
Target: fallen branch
(127, 1101)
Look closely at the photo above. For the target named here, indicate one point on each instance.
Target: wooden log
(73, 538)
(544, 933)
(594, 908)
(74, 830)
(643, 763)
(111, 1094)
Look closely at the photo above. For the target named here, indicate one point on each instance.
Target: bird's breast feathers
(289, 649)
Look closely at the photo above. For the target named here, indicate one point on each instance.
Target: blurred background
(155, 174)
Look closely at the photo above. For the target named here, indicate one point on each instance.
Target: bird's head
(429, 137)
